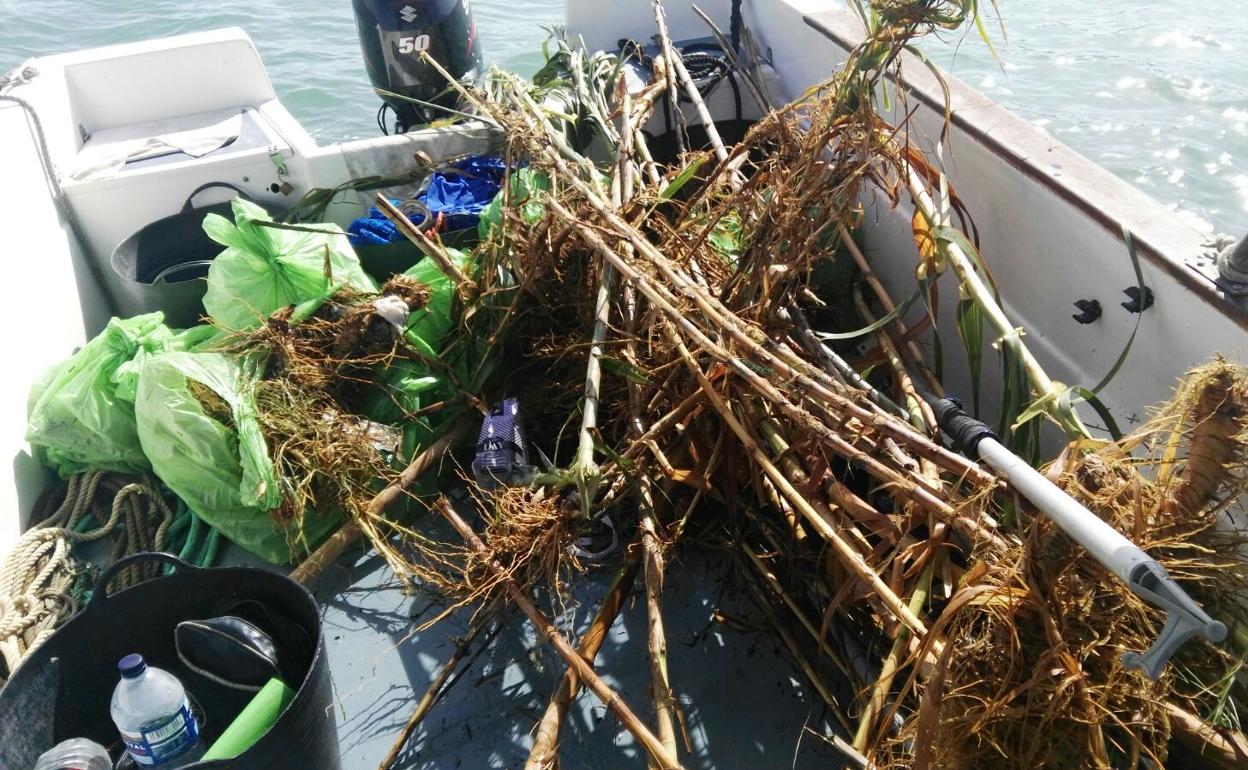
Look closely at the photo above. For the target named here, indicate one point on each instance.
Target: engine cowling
(394, 37)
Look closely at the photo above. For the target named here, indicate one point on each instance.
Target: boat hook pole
(1145, 577)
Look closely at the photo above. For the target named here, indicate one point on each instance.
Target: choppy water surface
(1156, 92)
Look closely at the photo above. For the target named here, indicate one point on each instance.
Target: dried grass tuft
(1032, 676)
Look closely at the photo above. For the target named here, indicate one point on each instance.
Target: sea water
(1155, 92)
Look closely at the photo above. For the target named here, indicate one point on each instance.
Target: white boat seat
(111, 151)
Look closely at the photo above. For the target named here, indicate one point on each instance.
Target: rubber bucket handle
(190, 199)
(162, 278)
(101, 595)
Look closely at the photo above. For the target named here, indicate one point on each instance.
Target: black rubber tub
(164, 266)
(63, 689)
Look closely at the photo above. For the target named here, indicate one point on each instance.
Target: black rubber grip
(964, 429)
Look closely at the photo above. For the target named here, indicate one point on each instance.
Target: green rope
(208, 556)
(200, 543)
(192, 536)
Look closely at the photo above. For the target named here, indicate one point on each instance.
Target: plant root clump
(528, 534)
(1033, 674)
(309, 400)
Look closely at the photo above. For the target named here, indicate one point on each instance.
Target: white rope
(39, 573)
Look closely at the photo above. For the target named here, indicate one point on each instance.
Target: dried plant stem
(585, 467)
(546, 739)
(432, 694)
(725, 45)
(836, 365)
(327, 553)
(691, 89)
(668, 73)
(434, 249)
(810, 380)
(664, 702)
(886, 301)
(658, 752)
(331, 549)
(1007, 334)
(1226, 748)
(892, 663)
(913, 488)
(919, 418)
(812, 674)
(774, 583)
(850, 557)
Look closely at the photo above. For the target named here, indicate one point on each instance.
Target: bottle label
(163, 740)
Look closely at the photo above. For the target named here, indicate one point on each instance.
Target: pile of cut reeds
(667, 313)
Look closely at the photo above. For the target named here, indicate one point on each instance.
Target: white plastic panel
(149, 81)
(602, 25)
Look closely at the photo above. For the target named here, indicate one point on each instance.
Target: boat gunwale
(979, 129)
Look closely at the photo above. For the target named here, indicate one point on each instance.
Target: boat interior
(104, 141)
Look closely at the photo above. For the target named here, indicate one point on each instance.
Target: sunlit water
(1155, 92)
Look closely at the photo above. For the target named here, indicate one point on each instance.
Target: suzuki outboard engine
(393, 36)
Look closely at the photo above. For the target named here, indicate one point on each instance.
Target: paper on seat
(107, 150)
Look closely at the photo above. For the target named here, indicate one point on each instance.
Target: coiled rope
(40, 580)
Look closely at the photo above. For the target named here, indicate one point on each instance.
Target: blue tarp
(459, 193)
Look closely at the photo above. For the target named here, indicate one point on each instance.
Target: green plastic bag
(217, 460)
(264, 268)
(407, 386)
(82, 411)
(523, 184)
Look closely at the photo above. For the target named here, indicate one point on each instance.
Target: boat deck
(744, 705)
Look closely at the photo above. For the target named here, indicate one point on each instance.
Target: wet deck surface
(743, 704)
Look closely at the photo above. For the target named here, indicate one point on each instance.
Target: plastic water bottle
(152, 712)
(75, 754)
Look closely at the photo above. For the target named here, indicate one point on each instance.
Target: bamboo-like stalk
(812, 674)
(915, 489)
(656, 636)
(852, 560)
(1047, 391)
(764, 104)
(886, 301)
(432, 694)
(664, 702)
(1225, 748)
(669, 74)
(774, 583)
(811, 380)
(426, 244)
(337, 544)
(920, 412)
(585, 468)
(547, 630)
(691, 88)
(543, 755)
(834, 364)
(892, 663)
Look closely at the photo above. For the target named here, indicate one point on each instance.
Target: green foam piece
(252, 722)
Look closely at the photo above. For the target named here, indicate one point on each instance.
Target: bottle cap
(132, 666)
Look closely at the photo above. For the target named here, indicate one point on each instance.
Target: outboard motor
(393, 36)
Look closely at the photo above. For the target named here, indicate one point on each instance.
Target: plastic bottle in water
(152, 712)
(75, 754)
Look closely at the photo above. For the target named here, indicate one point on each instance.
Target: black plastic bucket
(64, 688)
(164, 265)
